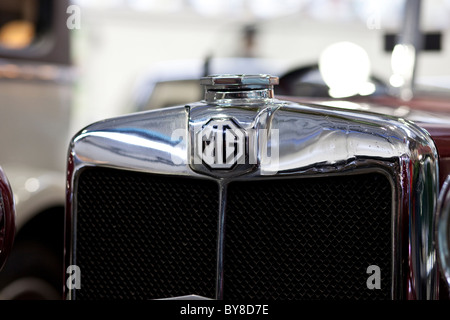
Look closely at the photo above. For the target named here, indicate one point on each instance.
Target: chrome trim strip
(314, 141)
(443, 230)
(221, 238)
(188, 297)
(246, 96)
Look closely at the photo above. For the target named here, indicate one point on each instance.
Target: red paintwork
(430, 102)
(7, 219)
(441, 137)
(439, 132)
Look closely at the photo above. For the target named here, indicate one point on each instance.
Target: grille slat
(142, 236)
(308, 238)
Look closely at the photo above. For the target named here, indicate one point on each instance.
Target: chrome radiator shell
(314, 141)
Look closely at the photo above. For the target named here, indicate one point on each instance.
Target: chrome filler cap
(229, 87)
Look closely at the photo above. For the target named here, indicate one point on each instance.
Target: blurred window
(163, 94)
(18, 21)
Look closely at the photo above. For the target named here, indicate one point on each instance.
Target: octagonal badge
(220, 144)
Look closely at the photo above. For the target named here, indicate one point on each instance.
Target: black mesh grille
(308, 238)
(142, 236)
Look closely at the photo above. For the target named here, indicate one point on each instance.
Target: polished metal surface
(238, 81)
(188, 297)
(7, 218)
(246, 89)
(312, 141)
(443, 230)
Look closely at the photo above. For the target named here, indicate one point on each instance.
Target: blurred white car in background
(35, 105)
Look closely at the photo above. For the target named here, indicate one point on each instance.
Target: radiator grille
(308, 238)
(142, 236)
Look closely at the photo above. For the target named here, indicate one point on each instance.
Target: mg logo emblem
(220, 144)
(222, 148)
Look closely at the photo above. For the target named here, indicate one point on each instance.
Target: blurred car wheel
(33, 272)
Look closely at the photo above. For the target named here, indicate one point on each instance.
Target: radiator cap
(241, 80)
(242, 86)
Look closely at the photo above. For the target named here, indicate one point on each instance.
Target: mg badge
(220, 144)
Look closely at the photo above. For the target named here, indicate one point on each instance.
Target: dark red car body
(7, 218)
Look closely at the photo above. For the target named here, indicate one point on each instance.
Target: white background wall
(115, 47)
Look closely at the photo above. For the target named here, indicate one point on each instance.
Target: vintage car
(7, 218)
(268, 188)
(244, 195)
(241, 195)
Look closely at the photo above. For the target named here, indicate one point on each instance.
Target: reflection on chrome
(443, 230)
(314, 141)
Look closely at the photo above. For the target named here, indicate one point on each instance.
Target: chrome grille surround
(443, 230)
(314, 141)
